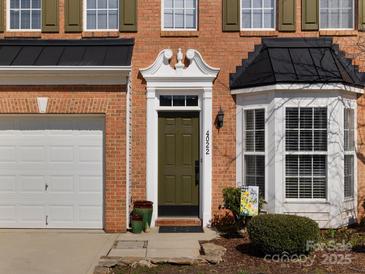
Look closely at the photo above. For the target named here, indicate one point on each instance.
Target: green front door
(178, 164)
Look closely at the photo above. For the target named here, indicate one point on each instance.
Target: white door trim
(196, 79)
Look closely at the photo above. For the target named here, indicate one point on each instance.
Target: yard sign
(249, 201)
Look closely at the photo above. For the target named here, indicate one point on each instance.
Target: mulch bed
(240, 259)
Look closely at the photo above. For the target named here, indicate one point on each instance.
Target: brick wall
(222, 50)
(109, 101)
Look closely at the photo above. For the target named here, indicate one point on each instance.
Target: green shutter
(287, 15)
(310, 15)
(231, 15)
(73, 15)
(361, 14)
(128, 15)
(49, 15)
(2, 15)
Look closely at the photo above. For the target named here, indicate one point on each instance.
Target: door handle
(46, 187)
(197, 172)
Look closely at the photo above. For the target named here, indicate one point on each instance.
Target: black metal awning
(296, 61)
(88, 52)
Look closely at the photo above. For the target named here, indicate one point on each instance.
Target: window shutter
(128, 15)
(287, 15)
(361, 15)
(49, 15)
(2, 9)
(73, 21)
(231, 15)
(310, 14)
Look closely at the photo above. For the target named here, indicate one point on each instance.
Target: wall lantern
(220, 118)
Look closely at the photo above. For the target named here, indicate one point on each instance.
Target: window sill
(22, 34)
(338, 32)
(97, 34)
(179, 33)
(258, 33)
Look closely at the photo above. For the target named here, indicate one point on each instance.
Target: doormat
(181, 229)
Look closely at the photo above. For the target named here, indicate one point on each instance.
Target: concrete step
(178, 221)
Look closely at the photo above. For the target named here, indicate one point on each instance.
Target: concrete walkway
(51, 251)
(160, 245)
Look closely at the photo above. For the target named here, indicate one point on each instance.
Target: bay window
(306, 153)
(254, 152)
(336, 14)
(257, 14)
(349, 147)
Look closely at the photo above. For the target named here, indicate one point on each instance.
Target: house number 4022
(207, 143)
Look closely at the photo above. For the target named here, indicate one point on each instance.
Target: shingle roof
(106, 52)
(296, 60)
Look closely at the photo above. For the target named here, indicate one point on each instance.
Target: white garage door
(51, 172)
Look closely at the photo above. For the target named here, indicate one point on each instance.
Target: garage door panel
(7, 184)
(61, 184)
(64, 153)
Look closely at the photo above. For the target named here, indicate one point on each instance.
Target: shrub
(276, 233)
(224, 223)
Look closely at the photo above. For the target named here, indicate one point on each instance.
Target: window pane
(102, 19)
(260, 140)
(179, 101)
(257, 4)
(292, 165)
(306, 140)
(246, 19)
(292, 140)
(190, 19)
(268, 3)
(320, 140)
(179, 18)
(91, 4)
(305, 188)
(319, 166)
(320, 118)
(268, 19)
(192, 101)
(168, 4)
(25, 4)
(25, 19)
(102, 4)
(113, 4)
(14, 19)
(249, 114)
(246, 4)
(292, 188)
(319, 188)
(250, 141)
(190, 4)
(324, 19)
(349, 176)
(257, 19)
(179, 4)
(347, 19)
(165, 101)
(259, 119)
(305, 165)
(306, 118)
(14, 4)
(292, 118)
(91, 19)
(113, 19)
(36, 4)
(168, 20)
(36, 19)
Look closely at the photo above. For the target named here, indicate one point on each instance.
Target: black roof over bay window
(88, 52)
(296, 60)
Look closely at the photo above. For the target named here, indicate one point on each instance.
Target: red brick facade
(224, 50)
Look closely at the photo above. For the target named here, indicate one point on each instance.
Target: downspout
(128, 147)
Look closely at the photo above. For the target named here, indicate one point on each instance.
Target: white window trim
(178, 29)
(243, 152)
(285, 153)
(8, 28)
(352, 153)
(353, 18)
(84, 11)
(258, 29)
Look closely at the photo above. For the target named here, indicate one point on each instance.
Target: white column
(206, 186)
(152, 152)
